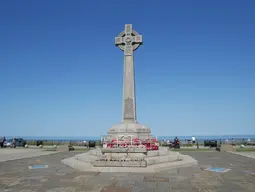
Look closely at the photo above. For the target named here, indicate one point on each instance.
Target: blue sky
(61, 75)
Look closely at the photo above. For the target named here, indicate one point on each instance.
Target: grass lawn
(75, 149)
(245, 149)
(251, 149)
(51, 149)
(193, 149)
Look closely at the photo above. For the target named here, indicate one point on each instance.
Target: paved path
(12, 154)
(245, 154)
(16, 176)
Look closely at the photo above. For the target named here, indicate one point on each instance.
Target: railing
(184, 142)
(62, 142)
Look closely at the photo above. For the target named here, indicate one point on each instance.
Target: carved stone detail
(128, 29)
(118, 40)
(128, 37)
(128, 50)
(128, 109)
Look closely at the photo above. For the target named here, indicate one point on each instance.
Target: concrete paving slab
(245, 154)
(7, 154)
(16, 176)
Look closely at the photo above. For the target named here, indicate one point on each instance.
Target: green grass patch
(51, 149)
(245, 149)
(193, 149)
(75, 149)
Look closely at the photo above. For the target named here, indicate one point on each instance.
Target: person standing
(193, 140)
(2, 141)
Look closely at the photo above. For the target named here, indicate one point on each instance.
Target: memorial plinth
(153, 161)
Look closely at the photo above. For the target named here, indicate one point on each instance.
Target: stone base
(136, 130)
(154, 161)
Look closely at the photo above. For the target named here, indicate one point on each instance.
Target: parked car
(83, 143)
(210, 143)
(19, 142)
(252, 143)
(92, 144)
(9, 143)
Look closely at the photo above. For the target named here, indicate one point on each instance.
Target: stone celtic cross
(128, 41)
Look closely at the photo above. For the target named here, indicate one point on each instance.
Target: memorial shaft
(129, 104)
(128, 41)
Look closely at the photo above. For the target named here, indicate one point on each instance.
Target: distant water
(201, 138)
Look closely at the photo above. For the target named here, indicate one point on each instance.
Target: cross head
(128, 40)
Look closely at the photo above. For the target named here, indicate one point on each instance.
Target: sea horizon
(198, 137)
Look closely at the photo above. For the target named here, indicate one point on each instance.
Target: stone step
(186, 162)
(162, 159)
(76, 164)
(87, 158)
(81, 166)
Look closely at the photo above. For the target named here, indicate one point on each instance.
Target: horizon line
(153, 135)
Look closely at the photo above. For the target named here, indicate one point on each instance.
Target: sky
(61, 74)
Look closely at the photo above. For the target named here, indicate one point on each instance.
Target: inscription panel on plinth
(129, 109)
(143, 130)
